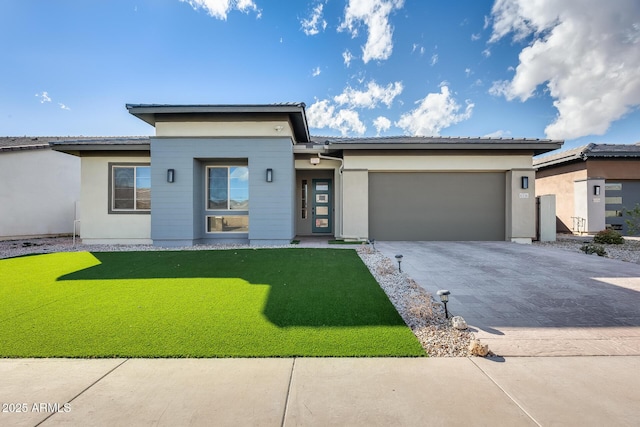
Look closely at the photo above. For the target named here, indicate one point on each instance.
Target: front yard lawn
(227, 303)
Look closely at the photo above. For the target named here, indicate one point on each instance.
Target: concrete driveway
(528, 300)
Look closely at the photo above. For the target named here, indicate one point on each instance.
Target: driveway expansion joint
(286, 399)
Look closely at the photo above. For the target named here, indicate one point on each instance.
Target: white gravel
(629, 251)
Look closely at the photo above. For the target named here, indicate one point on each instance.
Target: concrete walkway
(585, 391)
(527, 300)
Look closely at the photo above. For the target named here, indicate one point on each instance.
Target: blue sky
(512, 68)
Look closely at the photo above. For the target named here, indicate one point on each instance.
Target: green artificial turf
(232, 303)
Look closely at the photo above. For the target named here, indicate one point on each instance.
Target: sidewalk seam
(286, 400)
(506, 393)
(85, 389)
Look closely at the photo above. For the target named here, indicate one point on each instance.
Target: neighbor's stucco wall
(613, 168)
(562, 185)
(97, 225)
(588, 206)
(38, 193)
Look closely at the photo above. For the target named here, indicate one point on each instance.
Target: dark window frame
(110, 195)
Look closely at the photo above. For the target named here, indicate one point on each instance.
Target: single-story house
(593, 184)
(253, 174)
(39, 188)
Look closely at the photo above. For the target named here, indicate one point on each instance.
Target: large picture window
(228, 195)
(228, 188)
(130, 188)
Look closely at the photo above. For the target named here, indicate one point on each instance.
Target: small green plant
(608, 237)
(591, 249)
(633, 222)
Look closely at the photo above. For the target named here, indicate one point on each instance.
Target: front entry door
(322, 206)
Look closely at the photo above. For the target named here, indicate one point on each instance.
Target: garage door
(437, 206)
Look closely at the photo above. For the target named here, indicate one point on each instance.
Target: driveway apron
(528, 300)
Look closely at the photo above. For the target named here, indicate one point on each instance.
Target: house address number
(524, 195)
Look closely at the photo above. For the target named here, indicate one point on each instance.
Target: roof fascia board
(537, 148)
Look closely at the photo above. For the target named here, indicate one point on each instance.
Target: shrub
(608, 237)
(591, 249)
(633, 222)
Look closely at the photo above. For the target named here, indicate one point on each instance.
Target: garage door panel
(437, 206)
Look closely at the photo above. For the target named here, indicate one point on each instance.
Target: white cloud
(321, 115)
(374, 14)
(435, 112)
(374, 95)
(64, 107)
(347, 56)
(316, 72)
(475, 37)
(486, 53)
(44, 97)
(498, 134)
(382, 124)
(584, 52)
(434, 59)
(310, 26)
(468, 72)
(220, 8)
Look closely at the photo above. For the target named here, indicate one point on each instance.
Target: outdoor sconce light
(444, 297)
(524, 181)
(372, 242)
(269, 175)
(596, 190)
(171, 175)
(399, 258)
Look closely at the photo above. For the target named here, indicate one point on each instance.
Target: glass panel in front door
(322, 206)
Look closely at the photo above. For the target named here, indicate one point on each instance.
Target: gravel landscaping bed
(629, 251)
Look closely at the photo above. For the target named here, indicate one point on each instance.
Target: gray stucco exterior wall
(178, 209)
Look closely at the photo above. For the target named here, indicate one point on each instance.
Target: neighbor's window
(228, 188)
(130, 188)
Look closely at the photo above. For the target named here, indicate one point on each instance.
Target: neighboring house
(593, 184)
(39, 188)
(253, 174)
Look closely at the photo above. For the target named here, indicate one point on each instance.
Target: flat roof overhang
(530, 146)
(75, 148)
(152, 113)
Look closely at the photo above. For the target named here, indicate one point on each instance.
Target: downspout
(341, 189)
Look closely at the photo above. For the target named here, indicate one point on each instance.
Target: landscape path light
(444, 297)
(399, 258)
(372, 242)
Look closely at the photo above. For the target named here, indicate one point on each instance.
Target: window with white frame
(227, 190)
(130, 188)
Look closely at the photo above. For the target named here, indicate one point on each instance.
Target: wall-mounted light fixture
(596, 190)
(524, 182)
(269, 175)
(314, 160)
(171, 175)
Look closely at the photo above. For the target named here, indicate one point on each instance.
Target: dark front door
(322, 206)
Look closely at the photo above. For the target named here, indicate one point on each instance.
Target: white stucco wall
(38, 192)
(97, 225)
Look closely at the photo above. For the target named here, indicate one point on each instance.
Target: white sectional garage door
(437, 206)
